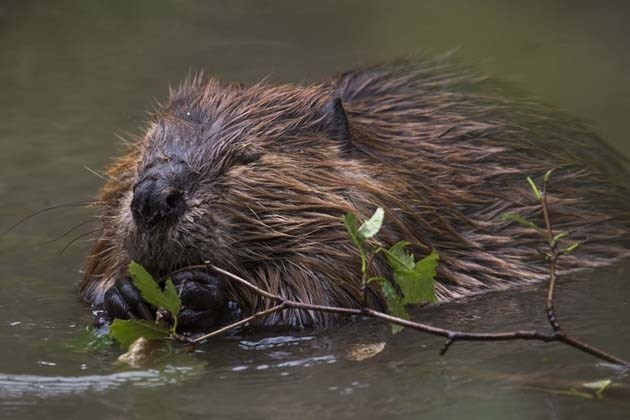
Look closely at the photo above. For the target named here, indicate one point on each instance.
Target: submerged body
(256, 179)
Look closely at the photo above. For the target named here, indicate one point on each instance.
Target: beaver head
(254, 179)
(231, 174)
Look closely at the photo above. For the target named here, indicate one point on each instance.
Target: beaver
(256, 178)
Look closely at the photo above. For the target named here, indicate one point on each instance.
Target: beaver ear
(335, 123)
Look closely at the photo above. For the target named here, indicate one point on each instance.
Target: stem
(556, 335)
(553, 259)
(451, 335)
(364, 278)
(233, 325)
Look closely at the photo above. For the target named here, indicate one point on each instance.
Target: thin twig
(233, 325)
(364, 279)
(553, 258)
(556, 335)
(451, 335)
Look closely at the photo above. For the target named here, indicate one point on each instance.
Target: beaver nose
(155, 200)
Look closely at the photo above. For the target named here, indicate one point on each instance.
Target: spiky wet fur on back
(445, 152)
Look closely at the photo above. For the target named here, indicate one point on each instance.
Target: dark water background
(75, 73)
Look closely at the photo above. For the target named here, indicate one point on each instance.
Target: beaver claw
(204, 304)
(123, 301)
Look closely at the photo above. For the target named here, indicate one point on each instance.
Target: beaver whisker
(69, 231)
(93, 172)
(77, 238)
(71, 204)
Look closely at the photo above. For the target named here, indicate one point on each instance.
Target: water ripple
(15, 386)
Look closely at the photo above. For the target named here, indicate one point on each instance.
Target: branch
(450, 335)
(557, 334)
(552, 257)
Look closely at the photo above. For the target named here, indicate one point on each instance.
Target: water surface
(75, 74)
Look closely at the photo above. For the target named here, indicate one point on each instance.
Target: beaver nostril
(154, 201)
(174, 199)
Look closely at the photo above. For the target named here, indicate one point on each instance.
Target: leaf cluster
(412, 281)
(553, 239)
(126, 331)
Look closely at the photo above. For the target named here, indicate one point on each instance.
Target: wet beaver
(256, 179)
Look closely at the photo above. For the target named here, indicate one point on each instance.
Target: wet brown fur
(444, 151)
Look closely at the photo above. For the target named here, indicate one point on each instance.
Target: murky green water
(73, 74)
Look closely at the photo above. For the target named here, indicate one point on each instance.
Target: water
(74, 74)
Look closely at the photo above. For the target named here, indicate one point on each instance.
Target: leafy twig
(450, 335)
(412, 280)
(556, 335)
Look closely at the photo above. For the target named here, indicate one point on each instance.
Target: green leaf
(377, 279)
(370, 227)
(560, 235)
(172, 301)
(395, 305)
(126, 331)
(570, 248)
(398, 258)
(415, 279)
(423, 288)
(534, 188)
(515, 217)
(548, 175)
(151, 292)
(350, 221)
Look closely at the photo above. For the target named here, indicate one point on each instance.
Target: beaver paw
(204, 303)
(123, 301)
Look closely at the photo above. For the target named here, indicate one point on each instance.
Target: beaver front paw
(123, 301)
(204, 303)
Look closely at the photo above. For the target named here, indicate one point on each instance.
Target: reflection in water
(279, 356)
(19, 386)
(271, 342)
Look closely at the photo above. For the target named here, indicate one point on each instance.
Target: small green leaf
(415, 279)
(395, 305)
(126, 331)
(350, 221)
(172, 303)
(398, 258)
(560, 235)
(377, 279)
(534, 188)
(423, 289)
(151, 292)
(570, 248)
(515, 217)
(370, 227)
(548, 175)
(144, 282)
